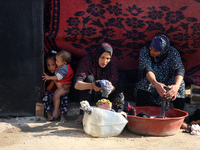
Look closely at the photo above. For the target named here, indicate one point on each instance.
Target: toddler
(63, 80)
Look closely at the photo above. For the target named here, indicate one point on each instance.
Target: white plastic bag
(103, 123)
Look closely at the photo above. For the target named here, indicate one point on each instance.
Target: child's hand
(45, 77)
(54, 81)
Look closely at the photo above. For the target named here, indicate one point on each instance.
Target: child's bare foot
(49, 117)
(79, 119)
(62, 119)
(55, 114)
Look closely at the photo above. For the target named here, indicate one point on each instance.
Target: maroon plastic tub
(156, 126)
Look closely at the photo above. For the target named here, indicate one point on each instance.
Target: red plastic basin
(156, 126)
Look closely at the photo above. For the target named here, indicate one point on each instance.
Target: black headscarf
(104, 47)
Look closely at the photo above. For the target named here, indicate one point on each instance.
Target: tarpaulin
(80, 25)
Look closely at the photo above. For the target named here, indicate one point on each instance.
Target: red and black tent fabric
(79, 26)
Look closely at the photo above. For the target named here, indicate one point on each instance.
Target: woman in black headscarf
(91, 68)
(160, 66)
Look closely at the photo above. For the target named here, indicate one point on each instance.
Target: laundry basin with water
(169, 125)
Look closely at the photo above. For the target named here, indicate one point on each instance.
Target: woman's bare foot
(49, 117)
(79, 119)
(184, 126)
(55, 114)
(62, 118)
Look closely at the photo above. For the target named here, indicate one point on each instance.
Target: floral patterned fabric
(80, 25)
(48, 102)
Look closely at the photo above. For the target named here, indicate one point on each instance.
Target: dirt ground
(31, 133)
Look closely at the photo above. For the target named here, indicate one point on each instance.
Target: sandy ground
(33, 133)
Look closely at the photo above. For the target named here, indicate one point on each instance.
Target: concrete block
(195, 94)
(187, 92)
(195, 98)
(195, 89)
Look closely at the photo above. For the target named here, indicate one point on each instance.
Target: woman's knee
(89, 79)
(143, 98)
(179, 103)
(46, 94)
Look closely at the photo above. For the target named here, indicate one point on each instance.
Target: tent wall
(21, 57)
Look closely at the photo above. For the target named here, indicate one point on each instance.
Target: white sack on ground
(103, 123)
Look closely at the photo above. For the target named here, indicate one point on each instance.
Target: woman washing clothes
(94, 73)
(160, 66)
